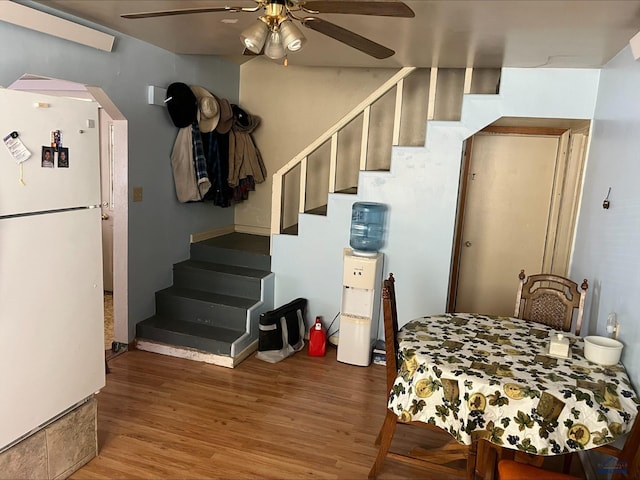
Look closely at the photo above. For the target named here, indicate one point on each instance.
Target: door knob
(105, 216)
(467, 243)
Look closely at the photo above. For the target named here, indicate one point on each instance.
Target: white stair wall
(421, 193)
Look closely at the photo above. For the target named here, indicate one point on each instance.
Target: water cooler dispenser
(361, 285)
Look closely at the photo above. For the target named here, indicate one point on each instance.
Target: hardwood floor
(108, 320)
(305, 417)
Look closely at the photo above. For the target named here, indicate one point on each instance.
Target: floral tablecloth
(486, 377)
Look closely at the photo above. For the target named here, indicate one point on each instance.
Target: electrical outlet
(613, 327)
(137, 194)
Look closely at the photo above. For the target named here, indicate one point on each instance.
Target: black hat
(182, 104)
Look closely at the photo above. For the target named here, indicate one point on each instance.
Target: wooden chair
(436, 460)
(627, 466)
(551, 300)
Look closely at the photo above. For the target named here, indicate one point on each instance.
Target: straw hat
(208, 109)
(226, 116)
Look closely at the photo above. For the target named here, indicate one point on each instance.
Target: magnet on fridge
(14, 134)
(56, 139)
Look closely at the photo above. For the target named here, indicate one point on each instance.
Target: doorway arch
(116, 144)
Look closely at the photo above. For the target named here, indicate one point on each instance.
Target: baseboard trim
(194, 354)
(216, 232)
(244, 354)
(263, 231)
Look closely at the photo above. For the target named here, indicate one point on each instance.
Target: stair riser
(224, 256)
(217, 282)
(183, 340)
(199, 311)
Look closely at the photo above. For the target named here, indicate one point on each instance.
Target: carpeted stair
(212, 309)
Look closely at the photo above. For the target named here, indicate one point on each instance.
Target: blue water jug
(367, 227)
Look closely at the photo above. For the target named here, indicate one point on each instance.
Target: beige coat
(184, 172)
(244, 157)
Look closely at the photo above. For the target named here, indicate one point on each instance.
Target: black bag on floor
(282, 331)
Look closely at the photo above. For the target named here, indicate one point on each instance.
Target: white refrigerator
(51, 293)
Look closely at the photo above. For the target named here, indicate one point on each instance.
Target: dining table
(485, 377)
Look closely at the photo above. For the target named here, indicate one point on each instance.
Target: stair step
(219, 278)
(292, 230)
(207, 308)
(349, 191)
(188, 334)
(239, 249)
(321, 210)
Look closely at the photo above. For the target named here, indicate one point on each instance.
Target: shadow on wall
(594, 308)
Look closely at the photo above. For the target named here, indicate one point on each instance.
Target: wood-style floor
(305, 417)
(161, 417)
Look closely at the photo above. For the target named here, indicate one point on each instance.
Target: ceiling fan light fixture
(274, 49)
(253, 37)
(292, 37)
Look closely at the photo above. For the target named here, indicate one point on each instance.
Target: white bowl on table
(602, 350)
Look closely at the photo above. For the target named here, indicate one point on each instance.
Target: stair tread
(349, 190)
(243, 242)
(321, 210)
(220, 334)
(211, 297)
(222, 268)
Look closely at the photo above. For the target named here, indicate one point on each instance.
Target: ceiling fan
(275, 33)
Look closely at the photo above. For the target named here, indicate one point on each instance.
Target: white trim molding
(51, 25)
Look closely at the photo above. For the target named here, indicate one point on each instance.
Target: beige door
(509, 195)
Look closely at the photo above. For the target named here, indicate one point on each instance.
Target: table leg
(471, 461)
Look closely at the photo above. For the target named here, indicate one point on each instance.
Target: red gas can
(317, 339)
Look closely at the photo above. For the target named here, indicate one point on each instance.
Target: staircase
(211, 311)
(420, 188)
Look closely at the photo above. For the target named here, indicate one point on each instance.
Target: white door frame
(553, 263)
(120, 154)
(120, 160)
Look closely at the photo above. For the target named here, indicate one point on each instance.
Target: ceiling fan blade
(348, 37)
(249, 53)
(383, 9)
(186, 11)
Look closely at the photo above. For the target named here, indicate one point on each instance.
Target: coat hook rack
(156, 96)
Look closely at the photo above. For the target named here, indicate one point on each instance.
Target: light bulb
(274, 48)
(292, 37)
(253, 37)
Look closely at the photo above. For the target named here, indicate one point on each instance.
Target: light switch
(137, 194)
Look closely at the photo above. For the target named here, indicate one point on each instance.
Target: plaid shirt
(199, 159)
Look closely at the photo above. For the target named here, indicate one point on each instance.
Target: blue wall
(607, 245)
(159, 226)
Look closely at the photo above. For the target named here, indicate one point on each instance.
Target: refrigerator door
(51, 317)
(34, 117)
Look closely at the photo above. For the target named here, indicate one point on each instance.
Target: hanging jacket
(184, 174)
(204, 184)
(244, 157)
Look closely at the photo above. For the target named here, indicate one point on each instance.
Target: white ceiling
(444, 33)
